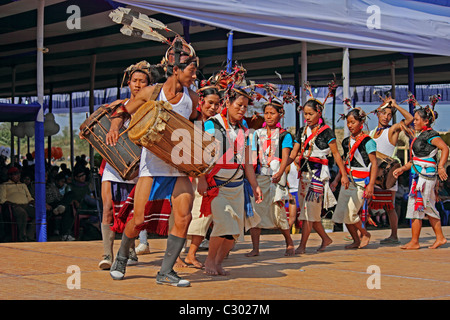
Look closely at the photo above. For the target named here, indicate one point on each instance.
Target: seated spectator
(16, 194)
(78, 195)
(54, 199)
(28, 180)
(53, 171)
(65, 170)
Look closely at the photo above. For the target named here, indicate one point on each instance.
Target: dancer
(208, 105)
(223, 188)
(114, 189)
(315, 142)
(423, 163)
(271, 145)
(157, 179)
(386, 137)
(361, 165)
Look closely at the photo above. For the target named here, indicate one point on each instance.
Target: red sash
(355, 146)
(223, 163)
(311, 137)
(358, 173)
(318, 160)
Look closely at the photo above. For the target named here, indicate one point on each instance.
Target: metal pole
(91, 104)
(230, 51)
(304, 72)
(41, 220)
(297, 91)
(346, 83)
(71, 131)
(49, 138)
(13, 96)
(394, 116)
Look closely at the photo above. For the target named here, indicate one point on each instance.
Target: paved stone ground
(34, 271)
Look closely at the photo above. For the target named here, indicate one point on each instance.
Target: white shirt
(151, 165)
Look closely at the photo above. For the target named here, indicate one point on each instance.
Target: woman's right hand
(398, 172)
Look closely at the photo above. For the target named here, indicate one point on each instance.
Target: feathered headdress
(384, 101)
(361, 112)
(332, 86)
(205, 85)
(140, 25)
(142, 66)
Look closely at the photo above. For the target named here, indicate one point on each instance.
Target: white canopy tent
(411, 27)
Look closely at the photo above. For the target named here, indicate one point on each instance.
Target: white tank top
(383, 144)
(151, 165)
(385, 147)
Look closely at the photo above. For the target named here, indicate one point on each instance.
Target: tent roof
(67, 63)
(18, 112)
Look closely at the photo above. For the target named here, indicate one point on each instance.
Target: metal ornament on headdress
(179, 48)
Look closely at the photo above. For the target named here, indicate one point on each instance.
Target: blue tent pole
(40, 210)
(230, 51)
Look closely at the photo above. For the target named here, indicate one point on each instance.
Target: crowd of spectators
(66, 192)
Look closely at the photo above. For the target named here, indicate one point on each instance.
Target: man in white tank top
(182, 67)
(386, 137)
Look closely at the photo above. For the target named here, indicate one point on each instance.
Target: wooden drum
(386, 167)
(124, 157)
(173, 138)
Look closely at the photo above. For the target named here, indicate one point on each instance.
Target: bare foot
(210, 268)
(221, 271)
(300, 250)
(180, 263)
(252, 253)
(289, 251)
(193, 261)
(411, 246)
(365, 240)
(438, 243)
(325, 243)
(354, 245)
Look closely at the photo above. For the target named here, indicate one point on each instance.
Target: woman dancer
(315, 142)
(423, 163)
(208, 105)
(223, 188)
(361, 165)
(271, 146)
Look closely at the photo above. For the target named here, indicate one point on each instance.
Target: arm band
(121, 112)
